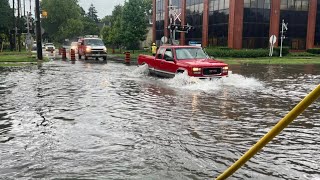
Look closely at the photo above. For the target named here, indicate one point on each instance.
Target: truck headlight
(88, 49)
(104, 49)
(225, 69)
(196, 70)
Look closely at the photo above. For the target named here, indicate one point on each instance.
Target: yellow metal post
(296, 111)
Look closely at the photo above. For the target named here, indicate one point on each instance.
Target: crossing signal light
(44, 14)
(181, 28)
(185, 28)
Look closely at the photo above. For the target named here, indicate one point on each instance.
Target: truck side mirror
(159, 56)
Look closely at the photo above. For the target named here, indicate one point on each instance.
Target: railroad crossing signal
(284, 28)
(175, 15)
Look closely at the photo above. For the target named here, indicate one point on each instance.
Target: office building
(241, 23)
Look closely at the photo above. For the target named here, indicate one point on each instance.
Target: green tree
(106, 20)
(59, 13)
(6, 22)
(134, 22)
(115, 35)
(90, 27)
(6, 16)
(68, 30)
(105, 33)
(92, 13)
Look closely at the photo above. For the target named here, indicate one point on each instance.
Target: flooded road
(110, 121)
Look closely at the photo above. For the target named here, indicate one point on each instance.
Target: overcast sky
(104, 7)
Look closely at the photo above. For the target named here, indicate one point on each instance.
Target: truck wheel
(79, 56)
(104, 58)
(85, 57)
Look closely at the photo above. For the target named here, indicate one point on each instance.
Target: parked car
(91, 46)
(171, 60)
(49, 47)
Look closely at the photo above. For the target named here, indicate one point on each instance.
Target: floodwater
(95, 120)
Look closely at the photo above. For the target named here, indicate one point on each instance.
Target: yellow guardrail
(293, 114)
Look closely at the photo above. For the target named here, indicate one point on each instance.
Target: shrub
(242, 53)
(314, 51)
(285, 51)
(300, 54)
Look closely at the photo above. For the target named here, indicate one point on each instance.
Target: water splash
(235, 81)
(140, 71)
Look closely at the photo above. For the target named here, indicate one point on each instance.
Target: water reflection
(111, 121)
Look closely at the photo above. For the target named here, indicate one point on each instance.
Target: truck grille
(97, 51)
(212, 71)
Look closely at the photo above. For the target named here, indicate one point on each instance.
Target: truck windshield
(190, 53)
(94, 42)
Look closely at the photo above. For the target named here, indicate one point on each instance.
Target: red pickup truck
(171, 60)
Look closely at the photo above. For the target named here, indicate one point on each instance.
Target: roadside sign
(164, 39)
(28, 39)
(273, 39)
(194, 43)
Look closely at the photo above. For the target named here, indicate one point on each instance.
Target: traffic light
(181, 28)
(44, 14)
(185, 28)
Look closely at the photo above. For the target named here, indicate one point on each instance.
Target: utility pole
(24, 8)
(19, 25)
(38, 30)
(14, 27)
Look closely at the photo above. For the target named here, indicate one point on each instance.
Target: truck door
(158, 59)
(168, 64)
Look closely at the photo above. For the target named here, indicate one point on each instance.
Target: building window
(264, 4)
(296, 5)
(295, 13)
(256, 20)
(317, 35)
(159, 19)
(194, 17)
(218, 22)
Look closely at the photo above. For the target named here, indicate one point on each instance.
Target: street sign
(164, 39)
(273, 39)
(29, 39)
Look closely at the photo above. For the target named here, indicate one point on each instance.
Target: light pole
(38, 30)
(19, 33)
(14, 27)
